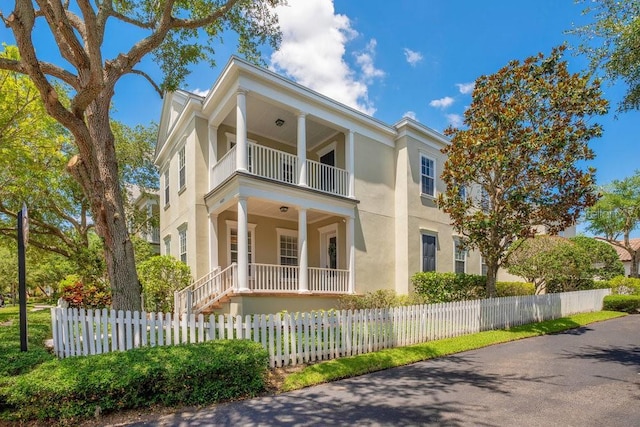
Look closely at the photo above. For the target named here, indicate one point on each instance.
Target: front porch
(264, 280)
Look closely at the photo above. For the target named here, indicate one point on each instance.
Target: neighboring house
(624, 255)
(280, 198)
(147, 204)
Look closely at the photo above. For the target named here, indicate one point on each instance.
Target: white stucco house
(280, 198)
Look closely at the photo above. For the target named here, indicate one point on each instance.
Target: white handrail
(327, 178)
(274, 278)
(273, 164)
(205, 291)
(225, 167)
(328, 280)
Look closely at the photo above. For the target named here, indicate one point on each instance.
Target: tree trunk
(492, 273)
(635, 257)
(96, 169)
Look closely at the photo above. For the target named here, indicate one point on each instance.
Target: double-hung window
(182, 161)
(460, 255)
(167, 245)
(427, 176)
(166, 188)
(182, 233)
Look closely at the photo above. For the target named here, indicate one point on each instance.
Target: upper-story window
(427, 176)
(182, 161)
(462, 192)
(166, 188)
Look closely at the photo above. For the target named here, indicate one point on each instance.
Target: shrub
(510, 289)
(378, 299)
(624, 303)
(160, 276)
(445, 287)
(193, 374)
(84, 295)
(622, 285)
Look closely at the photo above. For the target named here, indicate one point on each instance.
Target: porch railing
(282, 167)
(327, 280)
(327, 178)
(206, 291)
(272, 164)
(225, 167)
(273, 278)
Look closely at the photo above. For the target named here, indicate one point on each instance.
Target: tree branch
(149, 79)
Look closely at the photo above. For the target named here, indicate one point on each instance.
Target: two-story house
(280, 198)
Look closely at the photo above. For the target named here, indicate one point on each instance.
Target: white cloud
(365, 61)
(442, 102)
(455, 120)
(411, 115)
(313, 48)
(200, 92)
(412, 56)
(465, 87)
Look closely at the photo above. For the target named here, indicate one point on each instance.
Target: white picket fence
(292, 338)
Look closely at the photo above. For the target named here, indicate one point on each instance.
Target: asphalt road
(584, 377)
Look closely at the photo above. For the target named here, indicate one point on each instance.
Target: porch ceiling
(272, 210)
(261, 119)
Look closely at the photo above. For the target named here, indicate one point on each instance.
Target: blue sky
(414, 58)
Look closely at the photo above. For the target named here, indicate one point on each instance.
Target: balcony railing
(282, 167)
(327, 178)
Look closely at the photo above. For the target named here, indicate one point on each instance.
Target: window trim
(435, 255)
(289, 233)
(432, 159)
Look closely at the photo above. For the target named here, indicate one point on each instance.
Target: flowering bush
(84, 295)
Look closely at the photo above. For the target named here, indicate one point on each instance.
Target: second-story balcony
(283, 167)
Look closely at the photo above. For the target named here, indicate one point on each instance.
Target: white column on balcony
(213, 242)
(243, 248)
(213, 152)
(351, 254)
(303, 259)
(351, 162)
(302, 149)
(241, 130)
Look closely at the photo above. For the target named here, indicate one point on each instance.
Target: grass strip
(390, 358)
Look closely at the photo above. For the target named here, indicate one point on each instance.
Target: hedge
(623, 303)
(194, 374)
(510, 289)
(446, 287)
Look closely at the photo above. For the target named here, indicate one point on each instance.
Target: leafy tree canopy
(527, 133)
(612, 43)
(617, 214)
(171, 32)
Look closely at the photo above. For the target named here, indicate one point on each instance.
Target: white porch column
(243, 248)
(351, 162)
(351, 254)
(303, 258)
(241, 130)
(302, 149)
(213, 242)
(213, 153)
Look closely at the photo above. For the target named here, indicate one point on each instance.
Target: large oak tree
(176, 33)
(526, 133)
